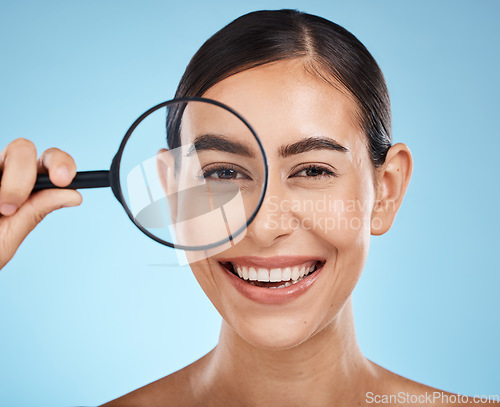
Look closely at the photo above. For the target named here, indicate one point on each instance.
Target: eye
(224, 172)
(315, 171)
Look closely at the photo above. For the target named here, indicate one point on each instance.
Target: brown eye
(315, 171)
(224, 172)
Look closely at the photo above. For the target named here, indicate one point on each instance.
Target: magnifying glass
(191, 173)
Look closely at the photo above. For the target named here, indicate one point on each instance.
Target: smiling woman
(319, 103)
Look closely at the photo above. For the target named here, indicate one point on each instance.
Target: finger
(14, 229)
(18, 166)
(59, 165)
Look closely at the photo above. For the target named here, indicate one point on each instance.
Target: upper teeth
(274, 274)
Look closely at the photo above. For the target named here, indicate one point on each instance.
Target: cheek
(202, 272)
(341, 221)
(340, 217)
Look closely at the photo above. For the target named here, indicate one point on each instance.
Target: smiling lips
(275, 273)
(286, 285)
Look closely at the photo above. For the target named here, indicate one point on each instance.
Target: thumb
(15, 228)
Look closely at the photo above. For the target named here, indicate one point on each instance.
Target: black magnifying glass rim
(115, 172)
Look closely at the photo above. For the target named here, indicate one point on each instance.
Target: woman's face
(316, 215)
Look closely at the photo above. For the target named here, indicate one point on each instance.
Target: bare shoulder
(184, 388)
(398, 390)
(176, 389)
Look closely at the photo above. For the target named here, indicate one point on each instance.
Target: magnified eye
(197, 187)
(224, 172)
(315, 171)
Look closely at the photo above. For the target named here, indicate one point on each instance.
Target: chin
(273, 333)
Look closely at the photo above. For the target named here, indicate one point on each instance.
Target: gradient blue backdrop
(85, 316)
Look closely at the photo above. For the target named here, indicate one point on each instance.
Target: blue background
(86, 314)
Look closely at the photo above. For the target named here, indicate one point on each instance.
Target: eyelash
(327, 172)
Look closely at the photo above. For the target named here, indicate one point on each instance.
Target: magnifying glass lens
(192, 174)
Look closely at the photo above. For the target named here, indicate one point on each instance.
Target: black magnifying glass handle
(82, 180)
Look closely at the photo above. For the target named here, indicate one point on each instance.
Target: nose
(274, 222)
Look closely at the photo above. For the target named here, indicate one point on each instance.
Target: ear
(165, 164)
(393, 178)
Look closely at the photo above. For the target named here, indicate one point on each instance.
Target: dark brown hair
(331, 51)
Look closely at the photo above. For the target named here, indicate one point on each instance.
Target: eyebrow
(217, 142)
(309, 144)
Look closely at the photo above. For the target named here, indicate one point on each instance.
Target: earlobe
(165, 163)
(393, 178)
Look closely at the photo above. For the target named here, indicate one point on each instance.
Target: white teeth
(275, 275)
(263, 275)
(287, 274)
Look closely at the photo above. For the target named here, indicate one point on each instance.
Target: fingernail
(8, 209)
(70, 204)
(63, 172)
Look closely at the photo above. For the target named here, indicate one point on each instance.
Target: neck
(327, 367)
